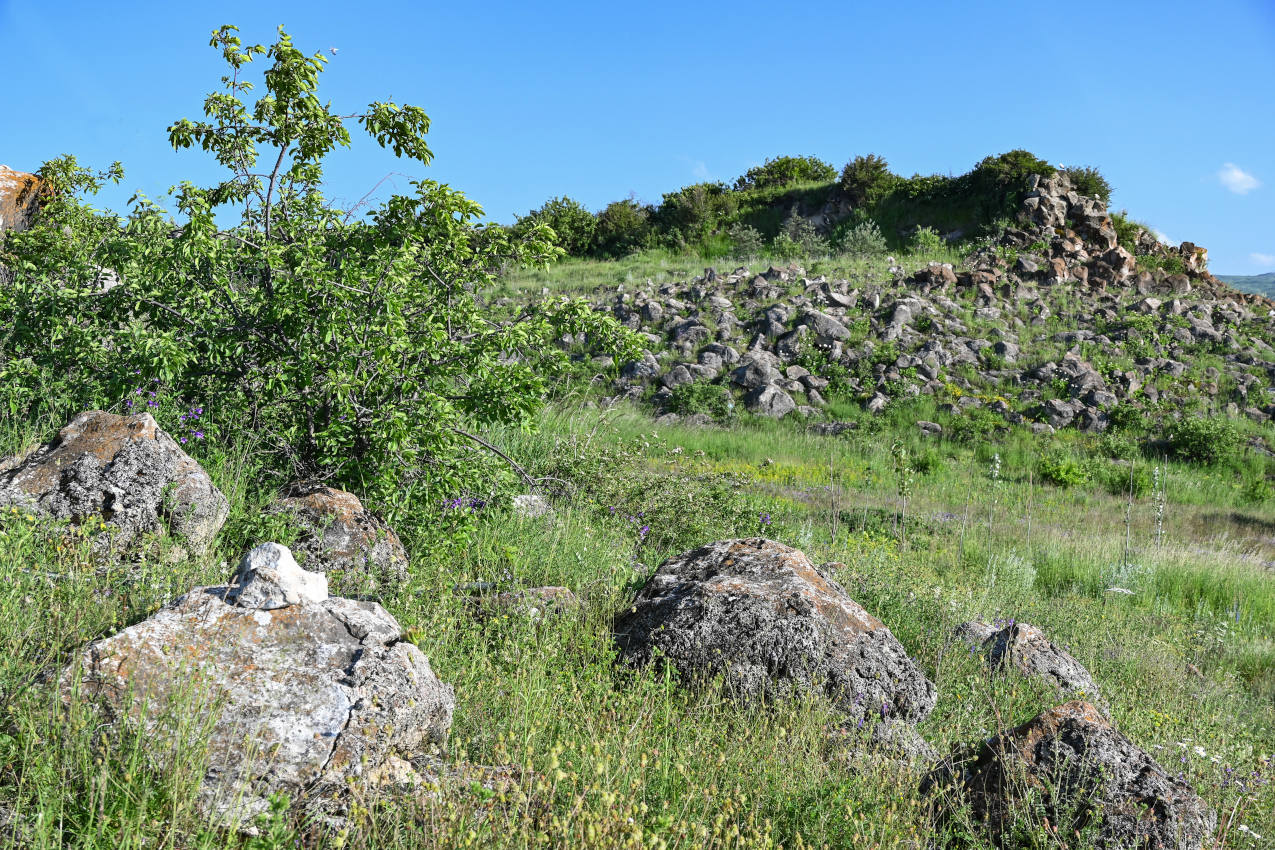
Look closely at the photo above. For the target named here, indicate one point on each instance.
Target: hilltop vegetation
(1261, 284)
(1048, 418)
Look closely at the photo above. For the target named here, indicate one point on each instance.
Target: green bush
(353, 349)
(1089, 181)
(1061, 469)
(623, 227)
(866, 179)
(713, 399)
(1203, 440)
(863, 240)
(1120, 478)
(927, 240)
(784, 171)
(695, 210)
(798, 238)
(572, 225)
(746, 239)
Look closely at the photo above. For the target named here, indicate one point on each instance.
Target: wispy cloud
(1237, 179)
(700, 170)
(1262, 259)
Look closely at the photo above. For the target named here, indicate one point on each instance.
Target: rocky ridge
(1054, 326)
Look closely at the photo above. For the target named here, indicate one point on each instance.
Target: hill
(1261, 284)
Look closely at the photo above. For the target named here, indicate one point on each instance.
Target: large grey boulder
(770, 400)
(313, 698)
(124, 470)
(772, 624)
(1024, 649)
(1082, 774)
(339, 534)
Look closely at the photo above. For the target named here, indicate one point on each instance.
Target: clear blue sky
(1174, 102)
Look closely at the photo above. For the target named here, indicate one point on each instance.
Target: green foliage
(695, 211)
(1121, 478)
(1168, 262)
(863, 239)
(355, 350)
(1061, 469)
(1087, 180)
(573, 226)
(927, 240)
(1202, 440)
(798, 238)
(747, 240)
(623, 227)
(866, 179)
(696, 397)
(784, 171)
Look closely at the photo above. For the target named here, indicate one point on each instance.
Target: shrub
(1061, 470)
(1089, 181)
(787, 171)
(713, 399)
(746, 239)
(1120, 478)
(696, 210)
(798, 237)
(1203, 440)
(866, 179)
(623, 227)
(927, 240)
(572, 225)
(864, 239)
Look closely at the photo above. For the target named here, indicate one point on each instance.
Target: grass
(608, 758)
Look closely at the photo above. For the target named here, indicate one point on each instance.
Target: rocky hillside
(1054, 324)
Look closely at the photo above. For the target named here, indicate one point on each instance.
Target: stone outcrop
(19, 198)
(1085, 775)
(339, 534)
(298, 692)
(1023, 648)
(772, 624)
(123, 470)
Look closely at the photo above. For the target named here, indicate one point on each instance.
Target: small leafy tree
(572, 225)
(357, 349)
(1088, 180)
(866, 179)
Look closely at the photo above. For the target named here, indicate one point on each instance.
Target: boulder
(770, 400)
(269, 579)
(1024, 648)
(772, 624)
(1083, 774)
(313, 698)
(124, 470)
(339, 534)
(19, 198)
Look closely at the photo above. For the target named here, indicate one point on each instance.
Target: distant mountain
(1262, 284)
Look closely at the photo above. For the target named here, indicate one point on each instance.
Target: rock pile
(1086, 777)
(123, 470)
(772, 624)
(305, 694)
(974, 334)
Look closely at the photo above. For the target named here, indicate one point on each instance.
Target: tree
(623, 227)
(357, 348)
(571, 223)
(786, 171)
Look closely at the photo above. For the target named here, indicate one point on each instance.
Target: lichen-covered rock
(122, 469)
(1024, 648)
(310, 699)
(1085, 776)
(772, 624)
(19, 198)
(338, 533)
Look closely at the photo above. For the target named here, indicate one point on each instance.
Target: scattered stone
(1024, 648)
(313, 698)
(534, 603)
(269, 578)
(772, 624)
(338, 533)
(1083, 774)
(122, 470)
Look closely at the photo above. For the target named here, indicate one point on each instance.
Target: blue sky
(1174, 102)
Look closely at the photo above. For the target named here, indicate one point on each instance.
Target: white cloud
(1237, 179)
(700, 170)
(1162, 237)
(1261, 259)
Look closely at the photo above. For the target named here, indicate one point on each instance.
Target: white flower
(1199, 751)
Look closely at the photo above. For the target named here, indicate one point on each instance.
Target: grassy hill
(1262, 284)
